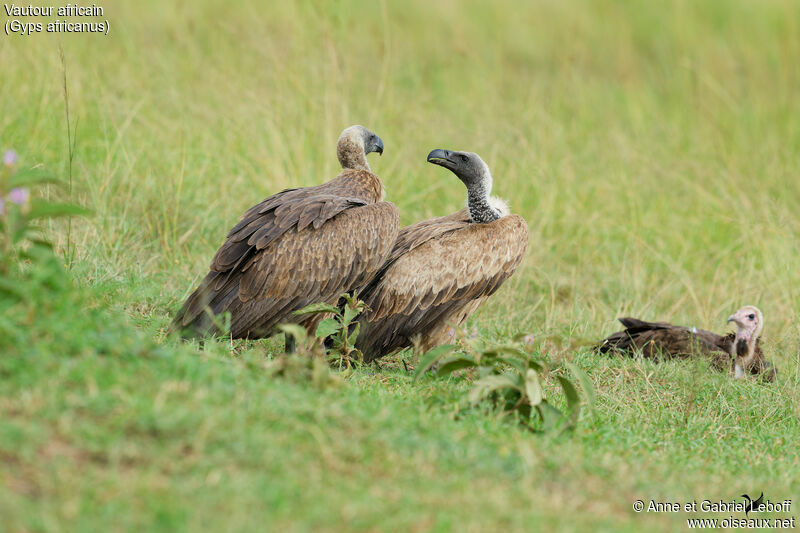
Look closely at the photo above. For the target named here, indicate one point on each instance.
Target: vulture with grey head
(441, 269)
(738, 352)
(297, 247)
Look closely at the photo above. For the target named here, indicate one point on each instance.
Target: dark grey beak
(441, 157)
(375, 144)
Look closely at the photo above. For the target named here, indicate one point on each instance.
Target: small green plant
(510, 378)
(21, 240)
(340, 331)
(306, 365)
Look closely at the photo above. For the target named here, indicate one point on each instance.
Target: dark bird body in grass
(440, 270)
(738, 352)
(297, 247)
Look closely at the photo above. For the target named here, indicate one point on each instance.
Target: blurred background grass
(653, 149)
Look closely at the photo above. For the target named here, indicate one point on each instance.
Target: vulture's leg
(289, 343)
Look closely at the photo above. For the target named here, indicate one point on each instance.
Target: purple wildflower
(528, 339)
(19, 196)
(2, 207)
(10, 158)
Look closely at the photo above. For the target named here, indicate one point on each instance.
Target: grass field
(653, 149)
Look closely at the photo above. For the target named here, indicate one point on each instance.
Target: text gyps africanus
(441, 269)
(297, 247)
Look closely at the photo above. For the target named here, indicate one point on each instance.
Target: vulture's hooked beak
(442, 158)
(732, 318)
(375, 144)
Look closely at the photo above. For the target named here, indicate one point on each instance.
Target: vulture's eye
(464, 159)
(751, 316)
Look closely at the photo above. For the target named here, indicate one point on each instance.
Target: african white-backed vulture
(297, 247)
(440, 270)
(738, 352)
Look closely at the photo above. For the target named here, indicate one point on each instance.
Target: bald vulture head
(474, 173)
(354, 144)
(749, 323)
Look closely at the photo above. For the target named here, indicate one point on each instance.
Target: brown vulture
(297, 247)
(440, 270)
(738, 352)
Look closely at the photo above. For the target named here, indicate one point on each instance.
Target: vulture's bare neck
(479, 202)
(744, 347)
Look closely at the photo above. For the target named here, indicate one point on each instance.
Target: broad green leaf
(510, 350)
(484, 371)
(52, 210)
(42, 243)
(298, 332)
(517, 379)
(533, 388)
(26, 177)
(349, 314)
(536, 365)
(428, 359)
(485, 386)
(316, 308)
(353, 335)
(518, 364)
(573, 399)
(552, 418)
(452, 364)
(326, 328)
(586, 384)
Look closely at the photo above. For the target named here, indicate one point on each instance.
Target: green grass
(653, 150)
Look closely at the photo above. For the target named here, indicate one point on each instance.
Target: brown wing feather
(266, 254)
(315, 265)
(292, 209)
(438, 280)
(663, 339)
(412, 236)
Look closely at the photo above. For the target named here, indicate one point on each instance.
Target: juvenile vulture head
(475, 175)
(354, 144)
(749, 322)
